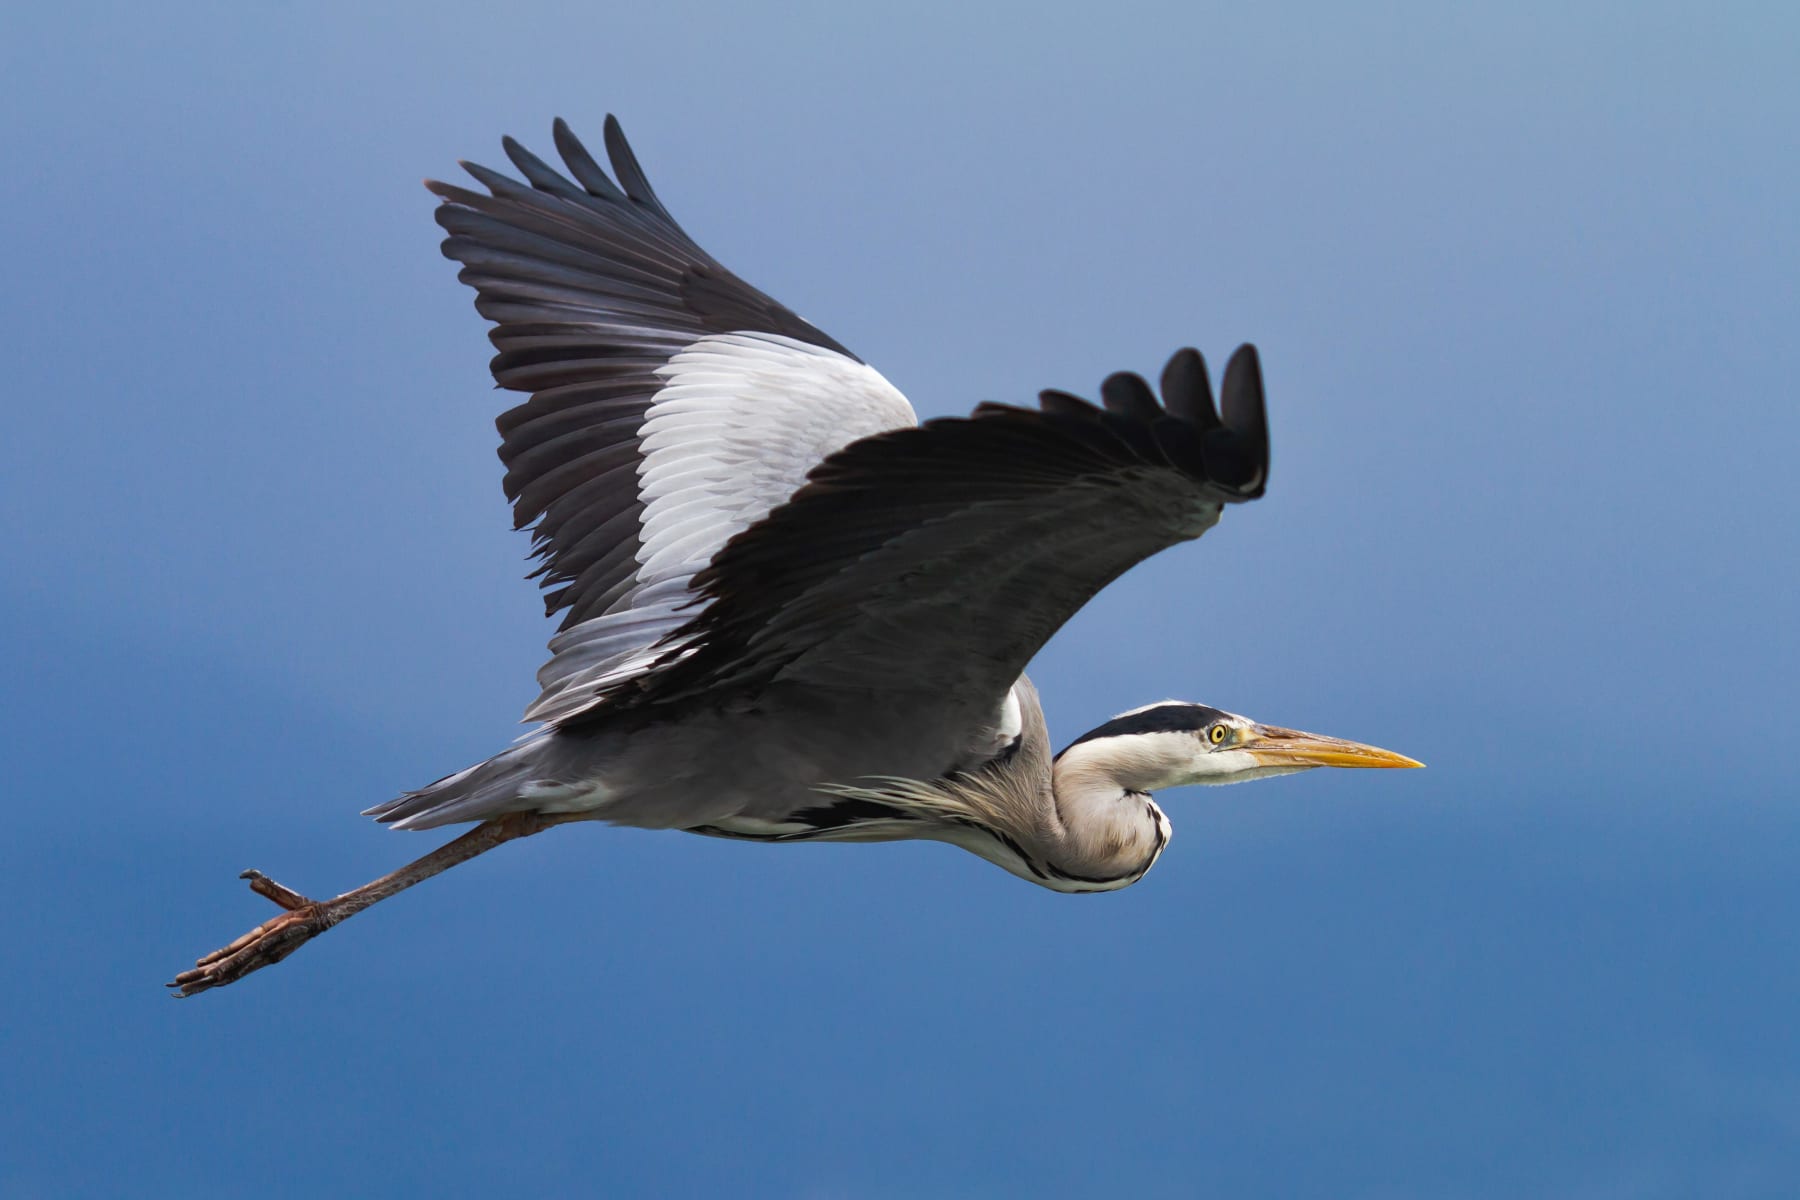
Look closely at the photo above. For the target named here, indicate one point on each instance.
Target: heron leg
(305, 919)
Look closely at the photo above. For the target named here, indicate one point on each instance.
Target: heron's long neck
(1110, 827)
(1066, 825)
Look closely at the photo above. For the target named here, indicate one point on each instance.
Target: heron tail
(509, 782)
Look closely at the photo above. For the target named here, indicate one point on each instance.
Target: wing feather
(672, 404)
(944, 556)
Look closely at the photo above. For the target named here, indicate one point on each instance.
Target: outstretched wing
(936, 560)
(672, 404)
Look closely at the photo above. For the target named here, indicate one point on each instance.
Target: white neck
(1110, 831)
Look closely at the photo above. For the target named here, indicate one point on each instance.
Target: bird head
(1175, 744)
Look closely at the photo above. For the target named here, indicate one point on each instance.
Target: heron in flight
(790, 611)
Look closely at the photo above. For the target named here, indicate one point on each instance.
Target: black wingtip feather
(1186, 429)
(1242, 394)
(1187, 389)
(496, 183)
(1128, 395)
(540, 174)
(582, 165)
(1064, 404)
(625, 165)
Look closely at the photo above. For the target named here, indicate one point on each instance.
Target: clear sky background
(1525, 281)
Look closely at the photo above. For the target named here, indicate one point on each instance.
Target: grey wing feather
(618, 324)
(944, 556)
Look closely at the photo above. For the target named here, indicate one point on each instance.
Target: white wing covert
(672, 404)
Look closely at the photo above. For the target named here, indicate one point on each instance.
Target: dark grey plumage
(591, 290)
(996, 527)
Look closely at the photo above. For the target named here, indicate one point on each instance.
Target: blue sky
(1525, 287)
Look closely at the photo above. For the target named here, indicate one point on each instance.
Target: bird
(789, 610)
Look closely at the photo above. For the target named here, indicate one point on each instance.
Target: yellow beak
(1273, 746)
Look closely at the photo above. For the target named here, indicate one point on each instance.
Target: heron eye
(1217, 735)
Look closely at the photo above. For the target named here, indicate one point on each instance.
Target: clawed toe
(263, 946)
(263, 886)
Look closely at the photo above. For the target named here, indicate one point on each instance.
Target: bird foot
(263, 946)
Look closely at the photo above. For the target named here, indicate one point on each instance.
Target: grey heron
(790, 611)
